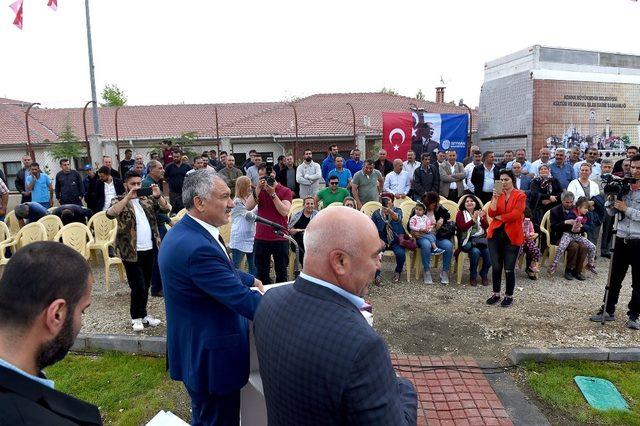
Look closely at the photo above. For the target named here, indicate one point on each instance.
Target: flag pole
(96, 123)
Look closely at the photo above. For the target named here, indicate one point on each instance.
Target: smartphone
(497, 185)
(144, 192)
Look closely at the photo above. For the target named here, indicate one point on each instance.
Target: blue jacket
(321, 363)
(209, 305)
(396, 227)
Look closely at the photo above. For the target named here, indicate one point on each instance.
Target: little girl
(579, 213)
(530, 246)
(421, 223)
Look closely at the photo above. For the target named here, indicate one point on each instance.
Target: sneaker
(592, 268)
(506, 302)
(597, 317)
(436, 251)
(485, 281)
(151, 321)
(444, 277)
(396, 277)
(578, 276)
(633, 324)
(426, 277)
(493, 299)
(137, 324)
(568, 275)
(473, 281)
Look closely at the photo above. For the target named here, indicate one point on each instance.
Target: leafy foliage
(388, 91)
(420, 95)
(68, 145)
(113, 96)
(186, 142)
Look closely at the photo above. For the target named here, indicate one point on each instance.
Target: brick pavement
(450, 397)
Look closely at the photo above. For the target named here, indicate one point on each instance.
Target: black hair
(63, 160)
(464, 201)
(127, 150)
(510, 174)
(635, 157)
(34, 164)
(486, 154)
(66, 215)
(632, 147)
(528, 214)
(35, 276)
(131, 174)
(580, 201)
(430, 198)
(224, 152)
(104, 170)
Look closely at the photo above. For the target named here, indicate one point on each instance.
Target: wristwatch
(273, 196)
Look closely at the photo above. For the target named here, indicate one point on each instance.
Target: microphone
(252, 217)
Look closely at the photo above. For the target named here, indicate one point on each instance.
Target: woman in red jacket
(505, 235)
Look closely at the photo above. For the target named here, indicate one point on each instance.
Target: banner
(423, 132)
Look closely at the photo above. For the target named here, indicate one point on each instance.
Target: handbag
(446, 231)
(479, 242)
(407, 242)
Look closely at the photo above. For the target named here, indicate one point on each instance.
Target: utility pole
(96, 123)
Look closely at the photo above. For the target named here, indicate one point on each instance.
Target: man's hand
(439, 223)
(293, 231)
(553, 198)
(132, 194)
(258, 284)
(270, 189)
(620, 206)
(155, 190)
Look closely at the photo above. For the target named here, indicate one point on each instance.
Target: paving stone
(518, 355)
(592, 354)
(624, 354)
(110, 342)
(153, 345)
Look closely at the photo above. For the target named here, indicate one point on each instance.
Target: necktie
(226, 250)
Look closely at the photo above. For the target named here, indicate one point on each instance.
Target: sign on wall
(423, 132)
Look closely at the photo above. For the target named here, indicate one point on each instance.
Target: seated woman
(388, 220)
(298, 223)
(576, 223)
(420, 222)
(472, 224)
(438, 215)
(544, 194)
(350, 202)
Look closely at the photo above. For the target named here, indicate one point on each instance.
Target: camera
(268, 171)
(615, 186)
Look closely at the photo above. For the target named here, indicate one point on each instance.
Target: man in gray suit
(321, 363)
(523, 182)
(452, 177)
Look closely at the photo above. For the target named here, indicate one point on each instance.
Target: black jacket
(537, 194)
(281, 177)
(69, 188)
(95, 194)
(24, 401)
(425, 181)
(477, 177)
(20, 185)
(557, 217)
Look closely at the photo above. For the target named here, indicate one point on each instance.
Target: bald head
(397, 165)
(343, 247)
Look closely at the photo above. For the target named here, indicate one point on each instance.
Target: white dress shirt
(215, 233)
(410, 168)
(468, 169)
(397, 183)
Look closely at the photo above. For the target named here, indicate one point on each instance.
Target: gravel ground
(435, 319)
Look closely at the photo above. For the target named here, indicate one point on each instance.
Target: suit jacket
(511, 216)
(525, 184)
(425, 181)
(477, 178)
(209, 305)
(281, 177)
(446, 179)
(95, 193)
(24, 401)
(322, 364)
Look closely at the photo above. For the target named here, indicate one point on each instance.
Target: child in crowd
(579, 214)
(530, 246)
(421, 223)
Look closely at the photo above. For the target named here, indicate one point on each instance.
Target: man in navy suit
(209, 304)
(320, 361)
(523, 182)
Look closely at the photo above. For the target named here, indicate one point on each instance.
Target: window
(11, 169)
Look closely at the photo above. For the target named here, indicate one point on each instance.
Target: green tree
(113, 96)
(388, 91)
(68, 145)
(420, 95)
(186, 142)
(626, 139)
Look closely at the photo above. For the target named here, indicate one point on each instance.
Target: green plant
(186, 142)
(388, 91)
(420, 95)
(626, 139)
(68, 145)
(113, 96)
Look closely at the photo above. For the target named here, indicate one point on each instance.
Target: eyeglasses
(333, 183)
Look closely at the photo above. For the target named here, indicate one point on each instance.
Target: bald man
(398, 182)
(320, 361)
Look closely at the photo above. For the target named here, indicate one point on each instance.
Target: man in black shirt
(49, 286)
(70, 213)
(382, 164)
(22, 176)
(174, 174)
(107, 162)
(69, 187)
(127, 163)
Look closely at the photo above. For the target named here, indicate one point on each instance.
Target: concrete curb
(519, 355)
(120, 343)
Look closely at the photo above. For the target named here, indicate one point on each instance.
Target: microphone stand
(296, 264)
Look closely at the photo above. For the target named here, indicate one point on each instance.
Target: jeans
(503, 255)
(237, 256)
(425, 253)
(474, 256)
(139, 278)
(263, 250)
(400, 256)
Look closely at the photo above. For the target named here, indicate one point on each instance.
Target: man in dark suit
(209, 304)
(44, 291)
(422, 143)
(523, 182)
(102, 190)
(321, 363)
(483, 177)
(426, 178)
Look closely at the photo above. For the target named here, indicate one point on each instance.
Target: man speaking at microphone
(273, 201)
(209, 304)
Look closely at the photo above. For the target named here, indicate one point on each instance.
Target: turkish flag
(396, 134)
(53, 4)
(17, 9)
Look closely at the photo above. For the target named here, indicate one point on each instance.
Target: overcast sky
(203, 51)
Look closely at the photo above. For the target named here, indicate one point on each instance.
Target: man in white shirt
(411, 164)
(521, 157)
(468, 170)
(252, 172)
(398, 181)
(308, 175)
(590, 157)
(545, 155)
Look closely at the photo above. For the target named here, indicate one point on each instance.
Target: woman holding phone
(505, 234)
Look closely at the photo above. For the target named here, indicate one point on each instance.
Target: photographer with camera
(273, 201)
(624, 201)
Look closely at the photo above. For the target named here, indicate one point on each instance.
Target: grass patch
(553, 383)
(128, 389)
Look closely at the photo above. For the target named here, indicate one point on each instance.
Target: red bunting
(17, 9)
